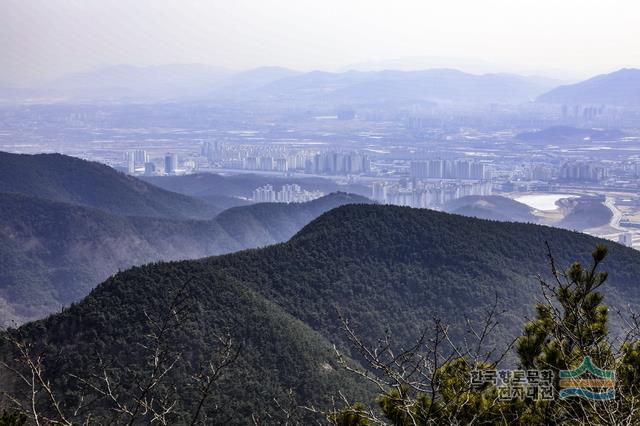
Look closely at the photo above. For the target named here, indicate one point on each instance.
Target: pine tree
(12, 418)
(570, 328)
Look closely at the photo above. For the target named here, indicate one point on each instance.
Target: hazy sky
(46, 38)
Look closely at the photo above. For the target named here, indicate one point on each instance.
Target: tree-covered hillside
(280, 363)
(386, 264)
(379, 266)
(71, 180)
(53, 253)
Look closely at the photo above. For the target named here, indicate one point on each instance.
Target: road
(616, 214)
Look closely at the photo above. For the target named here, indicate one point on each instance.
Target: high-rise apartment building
(170, 163)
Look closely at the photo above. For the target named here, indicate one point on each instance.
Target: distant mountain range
(621, 88)
(469, 65)
(205, 83)
(382, 267)
(366, 84)
(67, 224)
(416, 63)
(122, 82)
(152, 83)
(358, 87)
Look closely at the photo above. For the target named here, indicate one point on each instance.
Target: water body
(543, 202)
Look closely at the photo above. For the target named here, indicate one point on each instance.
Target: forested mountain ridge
(53, 253)
(260, 224)
(72, 180)
(280, 357)
(379, 266)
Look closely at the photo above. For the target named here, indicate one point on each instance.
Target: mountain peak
(620, 88)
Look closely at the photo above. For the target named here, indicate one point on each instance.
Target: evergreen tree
(12, 418)
(570, 329)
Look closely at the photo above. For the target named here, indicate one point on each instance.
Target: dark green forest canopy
(378, 265)
(53, 253)
(67, 179)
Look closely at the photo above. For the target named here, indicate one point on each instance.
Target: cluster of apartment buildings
(421, 194)
(338, 163)
(448, 169)
(582, 171)
(309, 161)
(287, 194)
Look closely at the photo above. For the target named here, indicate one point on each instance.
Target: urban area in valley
(575, 166)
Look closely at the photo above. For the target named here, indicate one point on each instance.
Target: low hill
(492, 207)
(71, 180)
(584, 213)
(380, 266)
(53, 253)
(620, 88)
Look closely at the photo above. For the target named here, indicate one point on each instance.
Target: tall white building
(448, 169)
(266, 163)
(149, 168)
(380, 191)
(131, 165)
(141, 156)
(282, 165)
(287, 194)
(170, 163)
(264, 194)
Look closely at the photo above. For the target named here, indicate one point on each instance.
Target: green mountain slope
(278, 353)
(385, 264)
(377, 265)
(53, 253)
(264, 223)
(67, 179)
